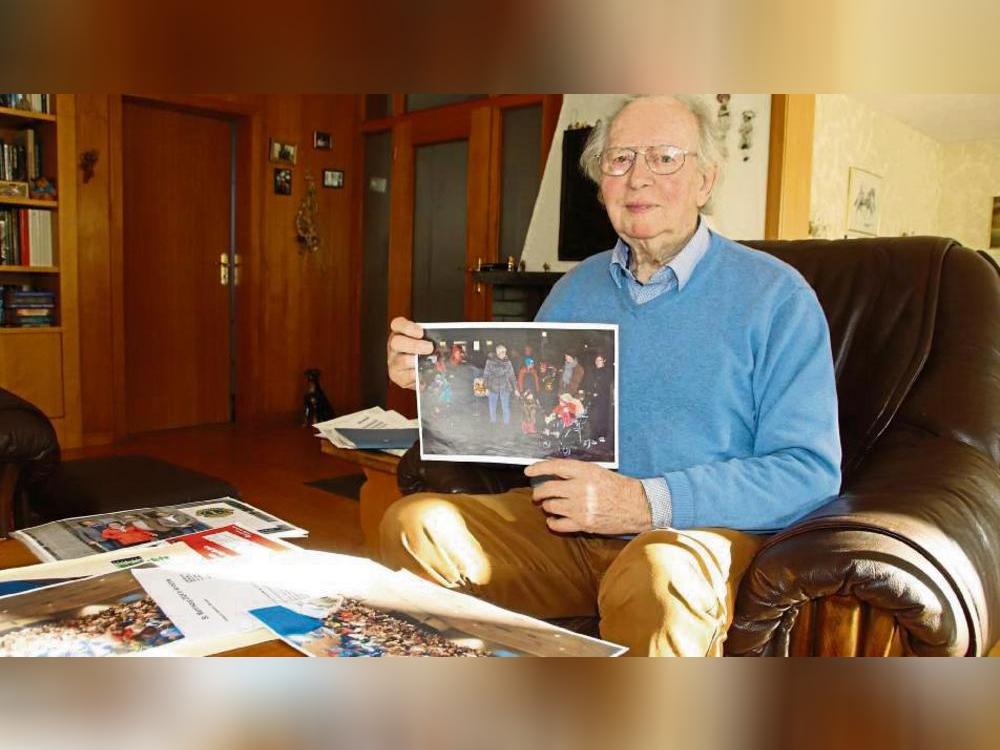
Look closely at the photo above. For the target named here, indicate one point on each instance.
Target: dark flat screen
(584, 228)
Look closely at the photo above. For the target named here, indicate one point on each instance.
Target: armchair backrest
(915, 325)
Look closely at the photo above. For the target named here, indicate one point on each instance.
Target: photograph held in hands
(518, 393)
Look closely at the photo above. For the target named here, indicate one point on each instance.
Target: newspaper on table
(324, 604)
(109, 532)
(97, 606)
(375, 418)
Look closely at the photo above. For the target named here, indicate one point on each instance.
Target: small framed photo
(322, 140)
(283, 181)
(864, 201)
(333, 178)
(285, 152)
(9, 189)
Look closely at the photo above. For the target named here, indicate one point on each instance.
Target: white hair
(711, 151)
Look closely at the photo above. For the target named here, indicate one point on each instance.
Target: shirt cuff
(660, 501)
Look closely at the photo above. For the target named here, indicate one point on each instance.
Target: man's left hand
(589, 498)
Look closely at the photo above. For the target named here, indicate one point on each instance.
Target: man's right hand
(405, 340)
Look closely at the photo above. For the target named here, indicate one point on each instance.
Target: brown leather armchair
(906, 560)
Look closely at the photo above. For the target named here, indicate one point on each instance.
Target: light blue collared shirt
(674, 275)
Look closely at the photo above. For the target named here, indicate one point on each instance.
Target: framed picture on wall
(995, 224)
(864, 201)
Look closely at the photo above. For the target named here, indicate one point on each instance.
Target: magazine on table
(518, 393)
(101, 606)
(110, 532)
(221, 543)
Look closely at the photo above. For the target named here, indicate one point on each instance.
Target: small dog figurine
(317, 405)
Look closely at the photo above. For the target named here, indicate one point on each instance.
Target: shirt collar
(682, 265)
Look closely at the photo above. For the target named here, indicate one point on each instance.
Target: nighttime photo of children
(518, 393)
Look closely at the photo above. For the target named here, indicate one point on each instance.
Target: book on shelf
(25, 237)
(41, 103)
(26, 308)
(21, 157)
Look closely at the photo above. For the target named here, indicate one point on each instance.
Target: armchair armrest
(414, 475)
(29, 454)
(916, 538)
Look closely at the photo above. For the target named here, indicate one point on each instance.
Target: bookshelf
(42, 364)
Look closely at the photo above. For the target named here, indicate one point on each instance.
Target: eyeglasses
(662, 159)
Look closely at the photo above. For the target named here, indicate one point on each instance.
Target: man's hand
(590, 498)
(405, 340)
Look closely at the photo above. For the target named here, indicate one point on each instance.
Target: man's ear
(708, 179)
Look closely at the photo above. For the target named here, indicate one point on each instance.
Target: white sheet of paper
(206, 607)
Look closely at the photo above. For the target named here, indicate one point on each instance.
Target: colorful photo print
(519, 393)
(109, 615)
(347, 627)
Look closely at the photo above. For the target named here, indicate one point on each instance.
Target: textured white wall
(849, 134)
(971, 180)
(929, 187)
(740, 200)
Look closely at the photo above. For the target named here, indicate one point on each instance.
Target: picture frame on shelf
(333, 178)
(864, 201)
(13, 189)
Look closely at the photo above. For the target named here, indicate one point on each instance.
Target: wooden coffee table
(379, 490)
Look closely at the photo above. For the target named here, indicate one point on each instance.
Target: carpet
(348, 485)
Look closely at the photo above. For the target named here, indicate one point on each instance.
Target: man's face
(646, 206)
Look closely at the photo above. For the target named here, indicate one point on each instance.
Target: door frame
(247, 115)
(479, 121)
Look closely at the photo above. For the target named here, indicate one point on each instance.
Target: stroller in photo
(564, 430)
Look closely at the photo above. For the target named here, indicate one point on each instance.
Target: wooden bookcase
(42, 365)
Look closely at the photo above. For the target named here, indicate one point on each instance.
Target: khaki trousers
(665, 592)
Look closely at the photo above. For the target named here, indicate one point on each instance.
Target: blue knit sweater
(726, 387)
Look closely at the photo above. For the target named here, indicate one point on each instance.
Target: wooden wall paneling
(789, 176)
(482, 233)
(401, 246)
(116, 260)
(94, 274)
(69, 302)
(250, 177)
(271, 344)
(355, 181)
(33, 365)
(282, 291)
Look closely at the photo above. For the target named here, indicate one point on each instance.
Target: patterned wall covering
(928, 187)
(971, 180)
(851, 134)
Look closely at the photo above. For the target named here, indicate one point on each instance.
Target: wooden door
(177, 173)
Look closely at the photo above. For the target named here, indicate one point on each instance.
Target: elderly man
(728, 415)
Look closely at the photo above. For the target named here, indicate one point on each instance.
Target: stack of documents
(371, 429)
(230, 587)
